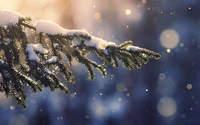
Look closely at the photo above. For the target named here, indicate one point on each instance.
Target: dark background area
(163, 92)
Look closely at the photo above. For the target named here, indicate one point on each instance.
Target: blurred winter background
(164, 92)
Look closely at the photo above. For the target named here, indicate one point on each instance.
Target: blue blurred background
(164, 92)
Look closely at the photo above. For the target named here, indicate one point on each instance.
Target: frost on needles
(37, 62)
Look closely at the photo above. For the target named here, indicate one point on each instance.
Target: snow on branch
(31, 54)
(37, 62)
(9, 17)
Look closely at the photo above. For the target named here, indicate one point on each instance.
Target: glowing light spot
(87, 116)
(101, 94)
(125, 89)
(119, 99)
(167, 106)
(162, 76)
(120, 87)
(94, 6)
(102, 113)
(128, 94)
(12, 107)
(183, 115)
(128, 12)
(189, 8)
(169, 38)
(181, 44)
(72, 95)
(146, 90)
(168, 50)
(189, 86)
(97, 16)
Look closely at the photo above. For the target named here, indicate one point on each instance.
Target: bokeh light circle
(128, 12)
(120, 87)
(102, 113)
(167, 106)
(169, 38)
(189, 86)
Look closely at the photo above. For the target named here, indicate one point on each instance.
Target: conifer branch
(37, 64)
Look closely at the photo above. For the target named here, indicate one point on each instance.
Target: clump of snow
(52, 60)
(39, 48)
(133, 48)
(49, 27)
(31, 54)
(9, 17)
(99, 43)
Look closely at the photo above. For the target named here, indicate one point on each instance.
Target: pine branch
(37, 63)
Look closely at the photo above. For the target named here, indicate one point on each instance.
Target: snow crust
(31, 54)
(133, 48)
(9, 17)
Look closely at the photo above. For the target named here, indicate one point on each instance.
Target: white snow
(52, 28)
(31, 54)
(52, 60)
(75, 32)
(99, 43)
(9, 17)
(39, 48)
(49, 27)
(133, 48)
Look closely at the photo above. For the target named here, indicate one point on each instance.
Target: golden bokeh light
(168, 50)
(128, 12)
(167, 106)
(169, 38)
(189, 86)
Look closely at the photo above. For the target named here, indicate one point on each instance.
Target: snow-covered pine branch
(37, 62)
